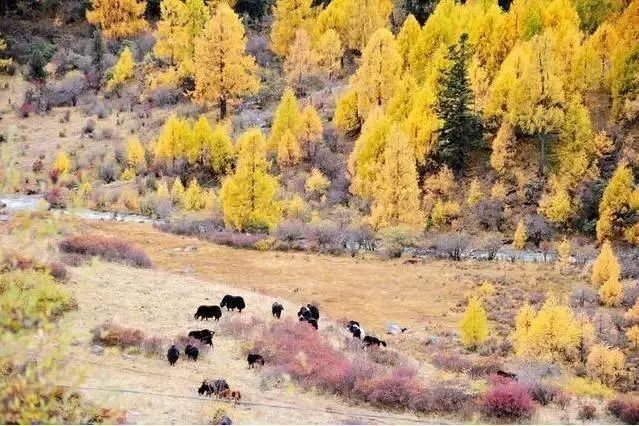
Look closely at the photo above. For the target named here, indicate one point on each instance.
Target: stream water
(16, 203)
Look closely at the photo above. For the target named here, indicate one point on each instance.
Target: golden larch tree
(316, 184)
(396, 202)
(407, 36)
(248, 196)
(212, 147)
(174, 141)
(330, 51)
(135, 154)
(611, 292)
(605, 364)
(118, 18)
(347, 117)
(194, 197)
(300, 62)
(632, 334)
(563, 252)
(310, 130)
(223, 72)
(474, 193)
(177, 192)
(606, 266)
(62, 163)
(521, 235)
(288, 17)
(123, 69)
(474, 324)
(287, 118)
(615, 200)
(288, 150)
(171, 39)
(379, 72)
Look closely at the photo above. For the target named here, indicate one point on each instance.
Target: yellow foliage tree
(379, 72)
(474, 193)
(474, 324)
(366, 159)
(288, 150)
(316, 184)
(162, 191)
(287, 118)
(118, 18)
(135, 154)
(523, 322)
(347, 117)
(174, 141)
(521, 235)
(123, 69)
(563, 252)
(611, 292)
(552, 335)
(396, 202)
(606, 266)
(330, 51)
(248, 196)
(501, 158)
(171, 38)
(498, 191)
(605, 365)
(407, 36)
(221, 48)
(632, 315)
(443, 212)
(587, 336)
(633, 337)
(310, 130)
(211, 147)
(62, 163)
(355, 20)
(194, 197)
(177, 193)
(556, 205)
(615, 200)
(288, 17)
(301, 62)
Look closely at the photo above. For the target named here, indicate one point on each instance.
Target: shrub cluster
(115, 335)
(303, 354)
(626, 410)
(108, 248)
(508, 400)
(28, 297)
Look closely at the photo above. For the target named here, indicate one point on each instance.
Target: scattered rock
(190, 248)
(97, 350)
(4, 217)
(225, 420)
(177, 249)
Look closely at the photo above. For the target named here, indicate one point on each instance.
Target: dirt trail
(163, 304)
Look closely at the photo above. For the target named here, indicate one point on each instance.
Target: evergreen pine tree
(461, 129)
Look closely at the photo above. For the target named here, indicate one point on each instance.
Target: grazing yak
(355, 329)
(277, 309)
(506, 375)
(191, 352)
(233, 302)
(206, 312)
(373, 341)
(310, 314)
(213, 388)
(253, 359)
(172, 355)
(205, 336)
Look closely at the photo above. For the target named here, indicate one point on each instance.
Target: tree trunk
(222, 109)
(542, 155)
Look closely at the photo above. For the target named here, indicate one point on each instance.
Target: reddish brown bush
(542, 393)
(508, 401)
(108, 248)
(587, 412)
(58, 271)
(112, 334)
(57, 197)
(37, 166)
(626, 410)
(451, 362)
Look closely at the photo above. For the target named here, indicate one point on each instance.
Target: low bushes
(509, 400)
(107, 248)
(297, 350)
(626, 410)
(125, 338)
(28, 298)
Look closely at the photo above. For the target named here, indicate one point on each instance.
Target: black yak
(213, 387)
(277, 309)
(233, 302)
(205, 336)
(172, 355)
(371, 340)
(253, 359)
(191, 352)
(206, 312)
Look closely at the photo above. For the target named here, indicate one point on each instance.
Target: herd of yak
(219, 387)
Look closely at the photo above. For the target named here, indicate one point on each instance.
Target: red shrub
(37, 166)
(587, 412)
(508, 400)
(111, 334)
(392, 390)
(54, 175)
(627, 410)
(58, 271)
(108, 248)
(57, 197)
(451, 362)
